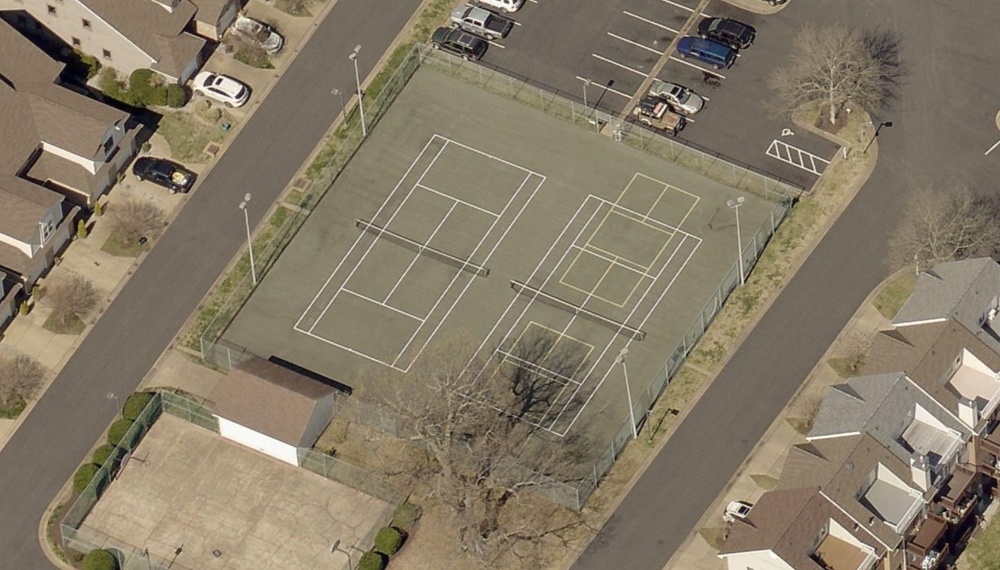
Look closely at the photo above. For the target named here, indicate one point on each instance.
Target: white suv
(504, 6)
(222, 88)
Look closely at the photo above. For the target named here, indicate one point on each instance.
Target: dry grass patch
(891, 299)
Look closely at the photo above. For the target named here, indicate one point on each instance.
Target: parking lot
(602, 52)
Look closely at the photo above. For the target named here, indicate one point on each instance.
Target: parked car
(680, 98)
(504, 6)
(222, 88)
(258, 34)
(163, 172)
(655, 112)
(719, 56)
(459, 42)
(737, 510)
(736, 35)
(481, 22)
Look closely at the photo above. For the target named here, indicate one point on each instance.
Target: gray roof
(960, 289)
(157, 30)
(22, 206)
(270, 399)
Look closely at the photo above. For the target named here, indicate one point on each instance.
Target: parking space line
(699, 68)
(494, 44)
(608, 89)
(621, 65)
(796, 157)
(996, 144)
(651, 22)
(682, 7)
(636, 44)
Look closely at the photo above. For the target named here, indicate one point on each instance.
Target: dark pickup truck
(481, 22)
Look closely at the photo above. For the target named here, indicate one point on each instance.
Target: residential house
(273, 407)
(9, 294)
(167, 36)
(56, 144)
(800, 529)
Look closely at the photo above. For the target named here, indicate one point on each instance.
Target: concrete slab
(189, 487)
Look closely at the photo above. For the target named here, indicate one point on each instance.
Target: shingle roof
(788, 523)
(960, 289)
(152, 27)
(269, 399)
(22, 205)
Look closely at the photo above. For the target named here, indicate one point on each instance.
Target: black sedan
(163, 172)
(736, 35)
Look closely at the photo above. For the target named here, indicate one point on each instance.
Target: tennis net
(552, 300)
(422, 249)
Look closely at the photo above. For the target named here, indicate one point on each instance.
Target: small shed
(273, 408)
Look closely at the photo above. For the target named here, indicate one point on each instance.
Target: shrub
(83, 476)
(83, 64)
(99, 560)
(372, 561)
(102, 453)
(388, 540)
(135, 404)
(118, 430)
(109, 84)
(405, 516)
(81, 229)
(176, 96)
(144, 89)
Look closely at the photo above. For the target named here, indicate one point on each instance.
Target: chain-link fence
(712, 165)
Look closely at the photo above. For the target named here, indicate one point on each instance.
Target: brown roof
(926, 352)
(52, 167)
(147, 23)
(789, 522)
(69, 120)
(22, 205)
(21, 61)
(176, 52)
(209, 11)
(269, 399)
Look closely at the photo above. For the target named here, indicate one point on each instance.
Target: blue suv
(719, 56)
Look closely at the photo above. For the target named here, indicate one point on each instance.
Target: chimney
(968, 412)
(920, 471)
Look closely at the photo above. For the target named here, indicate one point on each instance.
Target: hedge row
(144, 88)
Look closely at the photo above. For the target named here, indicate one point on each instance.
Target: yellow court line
(670, 236)
(561, 335)
(667, 186)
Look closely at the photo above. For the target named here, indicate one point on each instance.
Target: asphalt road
(181, 268)
(943, 123)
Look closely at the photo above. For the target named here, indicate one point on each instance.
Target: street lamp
(357, 78)
(343, 106)
(118, 404)
(246, 218)
(586, 84)
(620, 359)
(875, 136)
(735, 205)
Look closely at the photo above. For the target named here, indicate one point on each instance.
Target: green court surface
(554, 247)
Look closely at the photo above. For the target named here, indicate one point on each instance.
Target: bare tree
(856, 347)
(20, 377)
(72, 298)
(469, 418)
(134, 219)
(838, 66)
(944, 226)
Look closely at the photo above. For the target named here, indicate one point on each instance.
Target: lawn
(188, 133)
(983, 552)
(890, 300)
(115, 247)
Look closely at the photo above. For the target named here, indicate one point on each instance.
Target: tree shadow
(883, 45)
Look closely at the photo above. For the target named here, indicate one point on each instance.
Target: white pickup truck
(481, 22)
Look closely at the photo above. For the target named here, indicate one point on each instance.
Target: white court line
(621, 65)
(698, 67)
(608, 89)
(996, 144)
(586, 249)
(651, 22)
(462, 202)
(485, 261)
(640, 216)
(634, 43)
(383, 304)
(371, 246)
(417, 255)
(496, 158)
(342, 347)
(358, 240)
(628, 318)
(520, 362)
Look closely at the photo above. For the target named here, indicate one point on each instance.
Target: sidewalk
(763, 466)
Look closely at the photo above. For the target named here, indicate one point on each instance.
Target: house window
(108, 145)
(106, 53)
(51, 9)
(45, 230)
(76, 42)
(86, 23)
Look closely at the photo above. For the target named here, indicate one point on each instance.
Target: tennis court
(552, 247)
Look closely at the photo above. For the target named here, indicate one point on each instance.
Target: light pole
(118, 404)
(620, 359)
(357, 78)
(586, 84)
(343, 106)
(875, 136)
(336, 548)
(735, 205)
(246, 218)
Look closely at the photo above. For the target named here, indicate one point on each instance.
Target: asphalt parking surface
(604, 50)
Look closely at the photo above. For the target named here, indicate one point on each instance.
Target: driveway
(616, 44)
(175, 276)
(945, 53)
